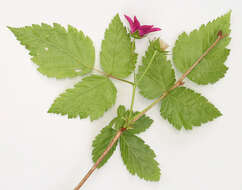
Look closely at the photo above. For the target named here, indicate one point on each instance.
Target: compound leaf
(91, 97)
(58, 52)
(117, 56)
(188, 48)
(184, 107)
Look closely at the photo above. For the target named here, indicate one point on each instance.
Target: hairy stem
(180, 81)
(114, 140)
(177, 84)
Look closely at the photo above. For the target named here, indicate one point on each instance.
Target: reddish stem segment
(114, 140)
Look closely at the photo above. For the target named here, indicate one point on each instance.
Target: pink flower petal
(129, 20)
(136, 23)
(145, 29)
(142, 29)
(141, 33)
(131, 23)
(155, 29)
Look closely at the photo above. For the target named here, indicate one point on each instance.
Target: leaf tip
(9, 27)
(50, 110)
(229, 12)
(12, 29)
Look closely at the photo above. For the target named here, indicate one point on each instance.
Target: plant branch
(114, 140)
(180, 81)
(177, 84)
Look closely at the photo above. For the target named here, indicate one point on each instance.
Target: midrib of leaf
(148, 66)
(139, 159)
(90, 89)
(61, 49)
(159, 82)
(127, 144)
(114, 57)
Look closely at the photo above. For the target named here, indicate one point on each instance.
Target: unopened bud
(163, 45)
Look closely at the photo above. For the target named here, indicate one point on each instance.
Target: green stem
(134, 90)
(149, 107)
(148, 66)
(132, 100)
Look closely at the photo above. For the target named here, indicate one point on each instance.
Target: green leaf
(101, 142)
(117, 56)
(91, 97)
(157, 76)
(184, 107)
(121, 111)
(119, 123)
(141, 125)
(58, 52)
(120, 120)
(189, 48)
(139, 157)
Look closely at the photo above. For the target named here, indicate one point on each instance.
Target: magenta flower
(137, 30)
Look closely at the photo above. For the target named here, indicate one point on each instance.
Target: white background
(40, 151)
